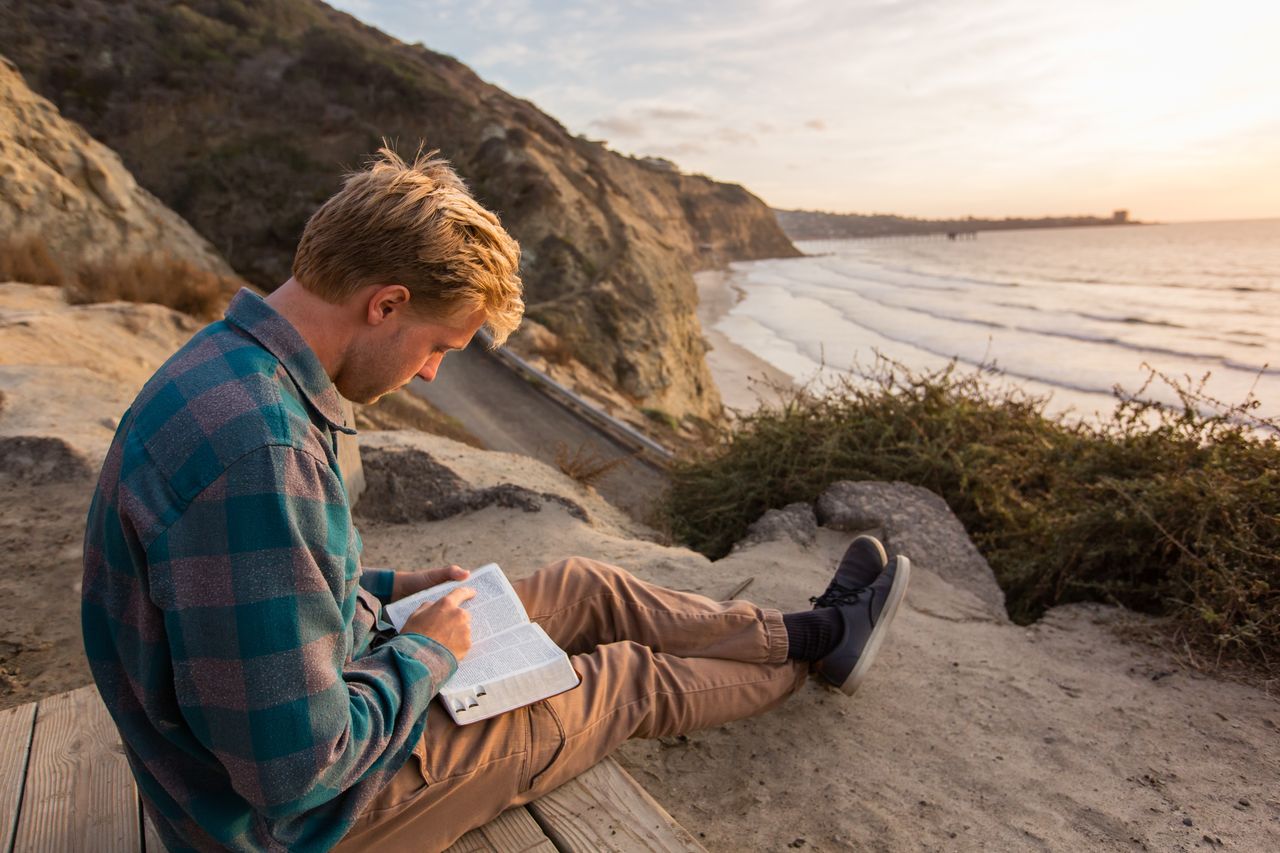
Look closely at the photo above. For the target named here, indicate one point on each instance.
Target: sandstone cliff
(58, 182)
(242, 116)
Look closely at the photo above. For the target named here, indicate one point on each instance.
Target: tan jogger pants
(653, 661)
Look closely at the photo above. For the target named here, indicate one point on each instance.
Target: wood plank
(15, 743)
(513, 831)
(605, 809)
(79, 793)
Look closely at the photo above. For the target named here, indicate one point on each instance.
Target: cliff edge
(242, 118)
(969, 733)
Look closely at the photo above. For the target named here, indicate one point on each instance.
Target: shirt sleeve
(258, 580)
(380, 582)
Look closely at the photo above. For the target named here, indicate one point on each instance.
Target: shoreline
(744, 378)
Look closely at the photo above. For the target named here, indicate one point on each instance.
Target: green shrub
(659, 416)
(1171, 511)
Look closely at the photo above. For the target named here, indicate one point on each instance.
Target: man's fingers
(459, 595)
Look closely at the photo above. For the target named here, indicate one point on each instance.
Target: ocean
(1070, 312)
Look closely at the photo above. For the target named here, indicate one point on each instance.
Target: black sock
(812, 634)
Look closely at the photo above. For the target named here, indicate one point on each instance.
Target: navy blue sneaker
(865, 614)
(862, 563)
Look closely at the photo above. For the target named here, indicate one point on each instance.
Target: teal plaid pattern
(262, 700)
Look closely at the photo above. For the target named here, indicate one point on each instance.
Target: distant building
(1119, 216)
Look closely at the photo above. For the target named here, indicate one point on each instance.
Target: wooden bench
(65, 785)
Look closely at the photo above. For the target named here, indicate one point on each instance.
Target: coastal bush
(1173, 511)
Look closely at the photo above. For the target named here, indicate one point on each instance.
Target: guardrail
(648, 449)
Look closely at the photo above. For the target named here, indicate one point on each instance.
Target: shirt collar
(251, 313)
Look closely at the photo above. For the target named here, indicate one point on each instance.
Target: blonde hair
(415, 225)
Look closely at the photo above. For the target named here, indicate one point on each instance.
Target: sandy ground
(970, 733)
(66, 373)
(745, 380)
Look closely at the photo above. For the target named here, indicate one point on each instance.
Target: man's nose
(428, 371)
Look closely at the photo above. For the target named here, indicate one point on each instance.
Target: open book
(512, 661)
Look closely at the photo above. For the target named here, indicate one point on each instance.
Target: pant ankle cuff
(775, 635)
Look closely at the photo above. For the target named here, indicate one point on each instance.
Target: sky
(933, 108)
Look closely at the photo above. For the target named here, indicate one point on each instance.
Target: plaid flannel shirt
(240, 649)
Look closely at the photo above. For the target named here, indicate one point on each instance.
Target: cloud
(909, 105)
(672, 114)
(673, 130)
(680, 149)
(618, 126)
(734, 136)
(649, 121)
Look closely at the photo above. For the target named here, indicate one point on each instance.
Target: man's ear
(385, 301)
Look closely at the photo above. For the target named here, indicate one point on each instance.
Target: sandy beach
(744, 378)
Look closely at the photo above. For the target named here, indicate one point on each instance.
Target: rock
(406, 484)
(39, 460)
(917, 523)
(796, 522)
(68, 372)
(411, 476)
(72, 191)
(608, 241)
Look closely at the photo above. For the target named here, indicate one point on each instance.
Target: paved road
(507, 413)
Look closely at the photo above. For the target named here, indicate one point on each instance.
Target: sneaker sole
(901, 577)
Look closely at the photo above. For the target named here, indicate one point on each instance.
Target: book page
(517, 650)
(494, 608)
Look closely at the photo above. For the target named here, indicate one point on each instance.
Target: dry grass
(26, 258)
(586, 464)
(155, 277)
(152, 277)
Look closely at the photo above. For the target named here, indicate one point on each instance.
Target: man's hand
(445, 621)
(407, 583)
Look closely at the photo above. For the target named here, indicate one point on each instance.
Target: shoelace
(837, 595)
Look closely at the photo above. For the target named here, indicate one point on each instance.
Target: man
(263, 701)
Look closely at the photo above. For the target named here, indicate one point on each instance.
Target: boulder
(58, 182)
(412, 476)
(917, 523)
(796, 522)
